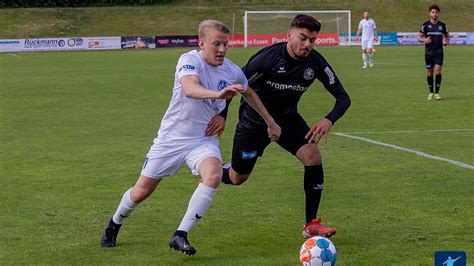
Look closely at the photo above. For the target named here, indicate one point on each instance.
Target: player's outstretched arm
(274, 130)
(193, 89)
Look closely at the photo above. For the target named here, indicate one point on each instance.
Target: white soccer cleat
(371, 64)
(437, 97)
(364, 66)
(430, 96)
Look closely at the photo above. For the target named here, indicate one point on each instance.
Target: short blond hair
(211, 23)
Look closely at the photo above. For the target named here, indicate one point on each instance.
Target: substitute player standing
(369, 35)
(203, 80)
(280, 74)
(434, 34)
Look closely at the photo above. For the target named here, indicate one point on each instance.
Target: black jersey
(280, 81)
(435, 32)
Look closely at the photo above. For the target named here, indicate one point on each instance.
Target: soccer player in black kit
(434, 34)
(280, 74)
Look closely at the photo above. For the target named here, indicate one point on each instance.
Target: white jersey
(368, 29)
(187, 119)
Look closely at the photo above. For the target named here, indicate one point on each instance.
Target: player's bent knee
(143, 188)
(238, 179)
(309, 155)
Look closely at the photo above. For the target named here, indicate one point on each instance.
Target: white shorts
(165, 158)
(368, 44)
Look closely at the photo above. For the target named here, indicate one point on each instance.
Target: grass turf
(181, 17)
(75, 127)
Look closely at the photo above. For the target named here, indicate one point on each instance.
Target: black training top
(436, 32)
(280, 81)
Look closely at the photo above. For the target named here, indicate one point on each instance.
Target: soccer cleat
(109, 237)
(437, 97)
(180, 242)
(364, 66)
(315, 228)
(430, 96)
(371, 64)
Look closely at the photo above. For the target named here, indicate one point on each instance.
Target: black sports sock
(437, 83)
(180, 233)
(226, 176)
(313, 188)
(430, 83)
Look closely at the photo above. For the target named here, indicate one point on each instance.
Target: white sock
(371, 58)
(125, 207)
(197, 207)
(364, 58)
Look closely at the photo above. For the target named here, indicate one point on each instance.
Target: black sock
(437, 83)
(313, 188)
(180, 233)
(226, 176)
(430, 83)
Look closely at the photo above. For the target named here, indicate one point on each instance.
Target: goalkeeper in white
(369, 35)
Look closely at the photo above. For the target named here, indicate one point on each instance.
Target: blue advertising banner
(470, 38)
(388, 38)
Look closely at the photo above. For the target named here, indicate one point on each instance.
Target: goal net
(263, 28)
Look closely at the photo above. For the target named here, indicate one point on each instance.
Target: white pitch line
(410, 131)
(15, 55)
(419, 153)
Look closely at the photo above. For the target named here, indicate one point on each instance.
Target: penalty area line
(410, 131)
(419, 153)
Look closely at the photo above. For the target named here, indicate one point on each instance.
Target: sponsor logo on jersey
(187, 67)
(308, 74)
(330, 74)
(281, 70)
(222, 84)
(282, 87)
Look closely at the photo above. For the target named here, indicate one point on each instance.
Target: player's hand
(428, 40)
(318, 131)
(216, 126)
(376, 38)
(274, 131)
(230, 91)
(357, 38)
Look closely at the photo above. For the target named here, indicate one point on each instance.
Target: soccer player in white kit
(203, 81)
(369, 35)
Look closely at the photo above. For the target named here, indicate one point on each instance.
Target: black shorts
(250, 143)
(433, 59)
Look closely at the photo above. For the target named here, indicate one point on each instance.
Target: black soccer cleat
(109, 237)
(179, 241)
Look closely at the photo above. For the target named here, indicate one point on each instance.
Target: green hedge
(77, 3)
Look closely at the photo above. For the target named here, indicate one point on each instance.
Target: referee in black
(434, 34)
(280, 74)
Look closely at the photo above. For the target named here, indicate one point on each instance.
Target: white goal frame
(297, 12)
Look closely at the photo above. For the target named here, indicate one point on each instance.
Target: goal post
(335, 23)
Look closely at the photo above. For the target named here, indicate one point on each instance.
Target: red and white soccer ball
(319, 251)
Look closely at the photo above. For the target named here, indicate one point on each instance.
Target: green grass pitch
(75, 128)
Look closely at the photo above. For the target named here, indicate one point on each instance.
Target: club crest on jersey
(440, 27)
(222, 84)
(308, 74)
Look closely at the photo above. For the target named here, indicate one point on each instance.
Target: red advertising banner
(254, 40)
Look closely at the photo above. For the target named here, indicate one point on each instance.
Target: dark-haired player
(434, 34)
(280, 74)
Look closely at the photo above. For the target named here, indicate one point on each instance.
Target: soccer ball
(318, 250)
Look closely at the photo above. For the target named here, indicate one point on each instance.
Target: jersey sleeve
(187, 65)
(360, 25)
(332, 84)
(242, 79)
(422, 28)
(445, 29)
(255, 67)
(375, 25)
